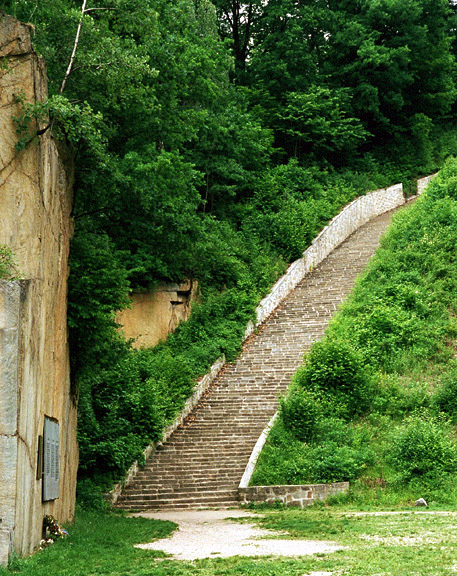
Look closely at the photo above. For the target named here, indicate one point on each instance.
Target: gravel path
(211, 534)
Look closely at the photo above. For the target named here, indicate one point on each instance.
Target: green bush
(445, 397)
(89, 495)
(422, 449)
(300, 411)
(336, 368)
(334, 463)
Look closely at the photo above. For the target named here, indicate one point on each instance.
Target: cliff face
(155, 314)
(35, 206)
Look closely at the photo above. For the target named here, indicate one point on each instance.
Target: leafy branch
(27, 121)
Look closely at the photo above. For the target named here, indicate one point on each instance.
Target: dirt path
(211, 534)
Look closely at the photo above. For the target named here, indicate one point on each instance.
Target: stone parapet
(298, 496)
(423, 183)
(351, 217)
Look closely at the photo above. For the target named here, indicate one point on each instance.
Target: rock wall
(424, 182)
(35, 206)
(155, 314)
(299, 495)
(351, 217)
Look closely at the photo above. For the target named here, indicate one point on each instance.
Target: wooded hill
(213, 141)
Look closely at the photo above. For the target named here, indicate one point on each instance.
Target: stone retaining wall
(424, 182)
(299, 496)
(354, 215)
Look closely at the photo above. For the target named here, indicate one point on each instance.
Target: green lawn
(403, 543)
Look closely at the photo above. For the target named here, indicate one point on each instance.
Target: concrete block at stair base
(296, 496)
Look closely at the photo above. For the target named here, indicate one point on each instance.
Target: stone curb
(250, 467)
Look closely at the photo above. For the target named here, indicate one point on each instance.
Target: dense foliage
(383, 407)
(212, 141)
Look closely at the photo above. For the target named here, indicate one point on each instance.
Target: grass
(407, 541)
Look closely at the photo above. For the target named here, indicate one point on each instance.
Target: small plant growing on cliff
(7, 265)
(31, 115)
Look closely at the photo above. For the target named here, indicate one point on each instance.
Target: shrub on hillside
(423, 449)
(336, 369)
(333, 463)
(300, 411)
(445, 398)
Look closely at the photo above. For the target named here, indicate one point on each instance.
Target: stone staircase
(202, 463)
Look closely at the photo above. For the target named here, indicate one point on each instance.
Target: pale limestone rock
(14, 37)
(155, 314)
(4, 544)
(35, 206)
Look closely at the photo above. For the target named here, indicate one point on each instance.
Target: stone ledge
(298, 496)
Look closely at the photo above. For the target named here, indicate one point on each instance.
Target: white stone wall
(424, 182)
(341, 227)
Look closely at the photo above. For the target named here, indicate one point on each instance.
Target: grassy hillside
(376, 400)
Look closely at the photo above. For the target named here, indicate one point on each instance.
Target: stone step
(201, 484)
(184, 505)
(215, 497)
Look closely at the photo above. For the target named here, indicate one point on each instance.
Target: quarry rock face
(154, 314)
(35, 223)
